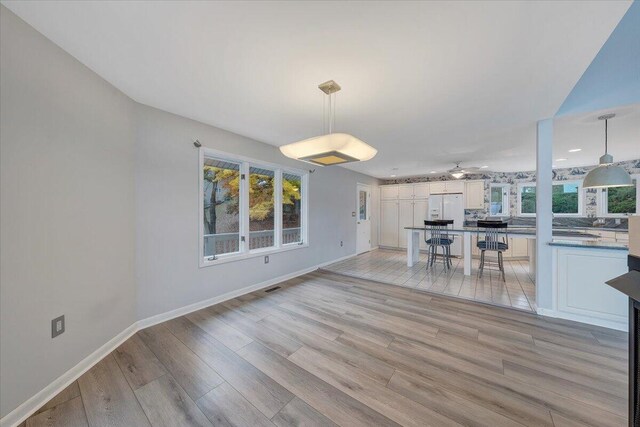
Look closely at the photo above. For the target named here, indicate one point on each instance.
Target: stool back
(495, 234)
(438, 229)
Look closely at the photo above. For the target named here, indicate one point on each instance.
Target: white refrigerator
(449, 206)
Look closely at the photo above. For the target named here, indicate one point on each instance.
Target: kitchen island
(415, 234)
(578, 289)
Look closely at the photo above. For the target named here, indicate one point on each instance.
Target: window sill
(223, 259)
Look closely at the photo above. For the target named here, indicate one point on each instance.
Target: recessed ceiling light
(484, 167)
(433, 171)
(393, 176)
(575, 150)
(560, 160)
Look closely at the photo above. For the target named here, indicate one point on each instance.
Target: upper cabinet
(441, 187)
(388, 192)
(421, 191)
(474, 195)
(405, 191)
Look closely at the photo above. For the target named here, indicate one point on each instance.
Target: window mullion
(244, 208)
(277, 209)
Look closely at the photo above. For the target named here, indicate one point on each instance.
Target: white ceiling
(426, 83)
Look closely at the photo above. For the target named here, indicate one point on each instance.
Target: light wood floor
(390, 266)
(326, 350)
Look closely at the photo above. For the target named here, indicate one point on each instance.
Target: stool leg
(481, 264)
(501, 265)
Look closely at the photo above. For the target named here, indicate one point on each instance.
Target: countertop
(590, 244)
(527, 231)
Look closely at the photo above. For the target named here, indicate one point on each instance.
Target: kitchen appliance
(449, 206)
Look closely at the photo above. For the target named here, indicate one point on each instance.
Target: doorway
(363, 215)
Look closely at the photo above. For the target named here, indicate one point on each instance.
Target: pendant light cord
(606, 136)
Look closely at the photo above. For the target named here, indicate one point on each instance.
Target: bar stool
(494, 239)
(436, 235)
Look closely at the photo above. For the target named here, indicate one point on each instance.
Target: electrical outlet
(341, 243)
(57, 326)
(266, 259)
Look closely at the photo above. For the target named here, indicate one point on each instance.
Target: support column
(544, 216)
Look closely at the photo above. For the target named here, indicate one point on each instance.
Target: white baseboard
(583, 319)
(25, 410)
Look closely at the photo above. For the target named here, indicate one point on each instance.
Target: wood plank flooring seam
(132, 391)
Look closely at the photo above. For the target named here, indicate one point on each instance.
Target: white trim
(35, 402)
(620, 326)
(25, 410)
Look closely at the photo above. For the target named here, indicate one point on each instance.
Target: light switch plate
(57, 326)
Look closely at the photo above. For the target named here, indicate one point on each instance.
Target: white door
(363, 227)
(389, 223)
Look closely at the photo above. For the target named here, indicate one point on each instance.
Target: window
(620, 201)
(249, 208)
(221, 191)
(362, 205)
(291, 208)
(566, 198)
(261, 208)
(499, 204)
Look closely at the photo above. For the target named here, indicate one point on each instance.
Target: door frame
(366, 187)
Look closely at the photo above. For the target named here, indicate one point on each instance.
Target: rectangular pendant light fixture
(332, 148)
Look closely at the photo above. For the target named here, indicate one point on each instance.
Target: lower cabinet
(518, 247)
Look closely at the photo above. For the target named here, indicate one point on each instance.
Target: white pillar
(544, 216)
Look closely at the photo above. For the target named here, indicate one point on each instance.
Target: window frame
(581, 191)
(603, 201)
(244, 251)
(506, 204)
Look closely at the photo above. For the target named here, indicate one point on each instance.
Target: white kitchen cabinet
(389, 192)
(405, 191)
(438, 187)
(519, 247)
(455, 186)
(420, 214)
(442, 187)
(389, 223)
(421, 190)
(474, 195)
(405, 219)
(622, 237)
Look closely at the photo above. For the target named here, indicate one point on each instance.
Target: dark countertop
(515, 230)
(590, 244)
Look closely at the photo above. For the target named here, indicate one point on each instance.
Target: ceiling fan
(459, 172)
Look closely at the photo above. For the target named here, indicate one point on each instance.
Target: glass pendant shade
(331, 149)
(457, 175)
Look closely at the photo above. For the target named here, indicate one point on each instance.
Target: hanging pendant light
(607, 174)
(457, 172)
(331, 148)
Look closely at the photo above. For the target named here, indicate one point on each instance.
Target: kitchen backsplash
(590, 199)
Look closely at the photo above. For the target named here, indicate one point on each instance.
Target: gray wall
(99, 212)
(167, 171)
(67, 211)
